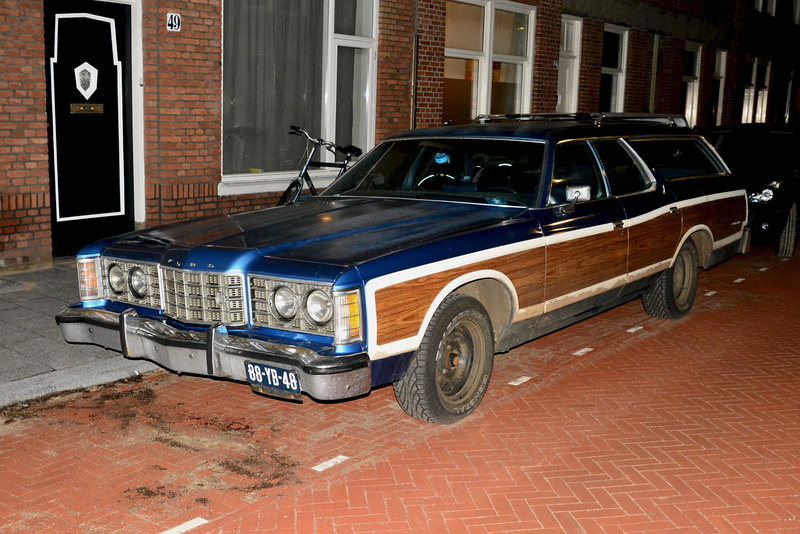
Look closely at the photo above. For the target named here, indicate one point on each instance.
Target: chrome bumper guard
(214, 352)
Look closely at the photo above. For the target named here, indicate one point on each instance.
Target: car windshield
(486, 171)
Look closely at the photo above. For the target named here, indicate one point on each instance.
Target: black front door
(88, 52)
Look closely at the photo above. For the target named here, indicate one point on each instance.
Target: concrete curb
(78, 377)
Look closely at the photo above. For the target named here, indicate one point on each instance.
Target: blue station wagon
(438, 249)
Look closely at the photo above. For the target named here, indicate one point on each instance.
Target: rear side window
(624, 173)
(677, 158)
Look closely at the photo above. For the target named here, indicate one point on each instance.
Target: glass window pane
(575, 169)
(506, 87)
(623, 172)
(352, 75)
(608, 92)
(272, 56)
(353, 17)
(464, 26)
(690, 63)
(611, 50)
(460, 90)
(510, 33)
(676, 158)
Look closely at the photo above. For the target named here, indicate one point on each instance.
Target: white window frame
(620, 73)
(762, 93)
(568, 103)
(482, 103)
(240, 184)
(720, 73)
(693, 85)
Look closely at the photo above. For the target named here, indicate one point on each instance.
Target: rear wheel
(449, 374)
(788, 240)
(673, 292)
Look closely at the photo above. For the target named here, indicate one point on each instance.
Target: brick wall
(430, 63)
(547, 47)
(395, 67)
(591, 64)
(639, 72)
(669, 76)
(24, 167)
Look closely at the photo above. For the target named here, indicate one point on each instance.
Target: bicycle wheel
(292, 192)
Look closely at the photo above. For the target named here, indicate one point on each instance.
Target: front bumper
(215, 351)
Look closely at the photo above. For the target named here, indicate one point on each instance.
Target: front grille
(203, 297)
(153, 297)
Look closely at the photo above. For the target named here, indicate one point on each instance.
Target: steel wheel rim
(682, 278)
(458, 358)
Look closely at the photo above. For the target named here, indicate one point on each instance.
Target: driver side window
(575, 175)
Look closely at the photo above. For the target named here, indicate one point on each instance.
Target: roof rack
(508, 117)
(598, 119)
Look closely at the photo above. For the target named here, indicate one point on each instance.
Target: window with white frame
(718, 86)
(569, 64)
(306, 62)
(612, 77)
(488, 58)
(691, 82)
(756, 73)
(767, 6)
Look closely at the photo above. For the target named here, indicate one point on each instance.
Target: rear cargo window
(677, 158)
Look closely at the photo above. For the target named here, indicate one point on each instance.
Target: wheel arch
(703, 242)
(496, 297)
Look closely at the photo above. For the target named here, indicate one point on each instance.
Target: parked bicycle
(292, 193)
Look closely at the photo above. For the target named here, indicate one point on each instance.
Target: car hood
(340, 231)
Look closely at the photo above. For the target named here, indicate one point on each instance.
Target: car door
(587, 246)
(652, 213)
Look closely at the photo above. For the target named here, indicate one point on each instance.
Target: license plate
(272, 380)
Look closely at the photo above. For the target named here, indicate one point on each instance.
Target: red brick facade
(182, 85)
(24, 168)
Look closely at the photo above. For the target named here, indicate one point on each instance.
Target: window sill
(248, 184)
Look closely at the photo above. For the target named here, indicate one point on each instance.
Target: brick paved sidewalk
(626, 424)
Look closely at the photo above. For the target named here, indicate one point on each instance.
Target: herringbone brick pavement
(625, 424)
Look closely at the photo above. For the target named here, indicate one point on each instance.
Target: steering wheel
(501, 189)
(441, 176)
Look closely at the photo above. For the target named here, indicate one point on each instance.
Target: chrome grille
(153, 297)
(261, 290)
(203, 297)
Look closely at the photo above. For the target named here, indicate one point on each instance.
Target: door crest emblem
(86, 79)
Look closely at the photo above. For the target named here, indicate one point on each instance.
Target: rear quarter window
(673, 159)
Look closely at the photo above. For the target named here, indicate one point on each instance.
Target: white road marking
(738, 280)
(330, 463)
(634, 329)
(186, 527)
(583, 351)
(764, 269)
(711, 293)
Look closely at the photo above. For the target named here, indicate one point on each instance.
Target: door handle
(675, 210)
(619, 225)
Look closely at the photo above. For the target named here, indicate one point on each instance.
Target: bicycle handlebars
(349, 150)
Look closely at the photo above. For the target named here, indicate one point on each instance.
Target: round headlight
(116, 278)
(137, 281)
(284, 302)
(319, 307)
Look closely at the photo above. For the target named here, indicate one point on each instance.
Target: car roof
(556, 128)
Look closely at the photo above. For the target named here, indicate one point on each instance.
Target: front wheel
(672, 294)
(449, 374)
(292, 192)
(788, 240)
